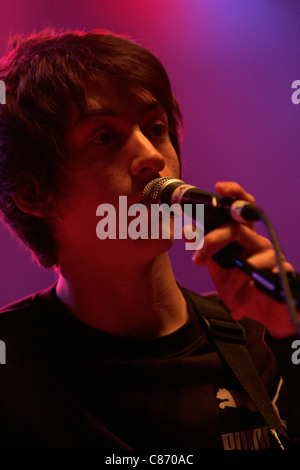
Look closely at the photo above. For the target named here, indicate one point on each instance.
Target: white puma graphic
(232, 399)
(229, 399)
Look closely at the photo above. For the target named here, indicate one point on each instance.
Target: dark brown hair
(42, 74)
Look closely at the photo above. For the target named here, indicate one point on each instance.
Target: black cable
(283, 287)
(283, 275)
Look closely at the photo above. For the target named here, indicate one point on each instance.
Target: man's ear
(31, 200)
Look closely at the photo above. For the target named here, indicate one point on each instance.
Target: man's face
(116, 148)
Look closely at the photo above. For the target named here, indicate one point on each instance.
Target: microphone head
(152, 191)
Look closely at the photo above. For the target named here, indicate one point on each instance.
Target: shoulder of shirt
(260, 353)
(254, 330)
(24, 309)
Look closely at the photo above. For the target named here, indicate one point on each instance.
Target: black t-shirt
(66, 385)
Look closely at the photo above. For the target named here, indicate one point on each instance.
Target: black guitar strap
(230, 339)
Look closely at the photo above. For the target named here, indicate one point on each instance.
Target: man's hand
(235, 287)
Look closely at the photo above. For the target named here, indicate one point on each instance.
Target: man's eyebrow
(99, 112)
(153, 106)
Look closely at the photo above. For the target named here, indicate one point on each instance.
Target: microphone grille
(152, 191)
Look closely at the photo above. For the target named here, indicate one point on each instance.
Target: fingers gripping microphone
(218, 209)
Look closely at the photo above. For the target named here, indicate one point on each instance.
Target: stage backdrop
(232, 65)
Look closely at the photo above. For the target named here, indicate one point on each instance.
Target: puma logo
(228, 400)
(231, 399)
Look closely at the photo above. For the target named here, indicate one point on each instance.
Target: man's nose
(147, 160)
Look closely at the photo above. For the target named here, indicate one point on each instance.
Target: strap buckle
(226, 330)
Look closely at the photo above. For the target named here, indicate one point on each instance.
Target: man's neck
(139, 303)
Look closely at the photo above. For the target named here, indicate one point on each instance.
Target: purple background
(232, 65)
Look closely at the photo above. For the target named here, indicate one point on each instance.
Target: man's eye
(104, 137)
(158, 129)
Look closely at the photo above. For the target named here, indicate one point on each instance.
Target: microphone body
(218, 209)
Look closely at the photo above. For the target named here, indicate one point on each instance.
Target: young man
(116, 355)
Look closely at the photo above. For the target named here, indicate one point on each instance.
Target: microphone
(218, 209)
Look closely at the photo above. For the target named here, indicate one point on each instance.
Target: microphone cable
(290, 302)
